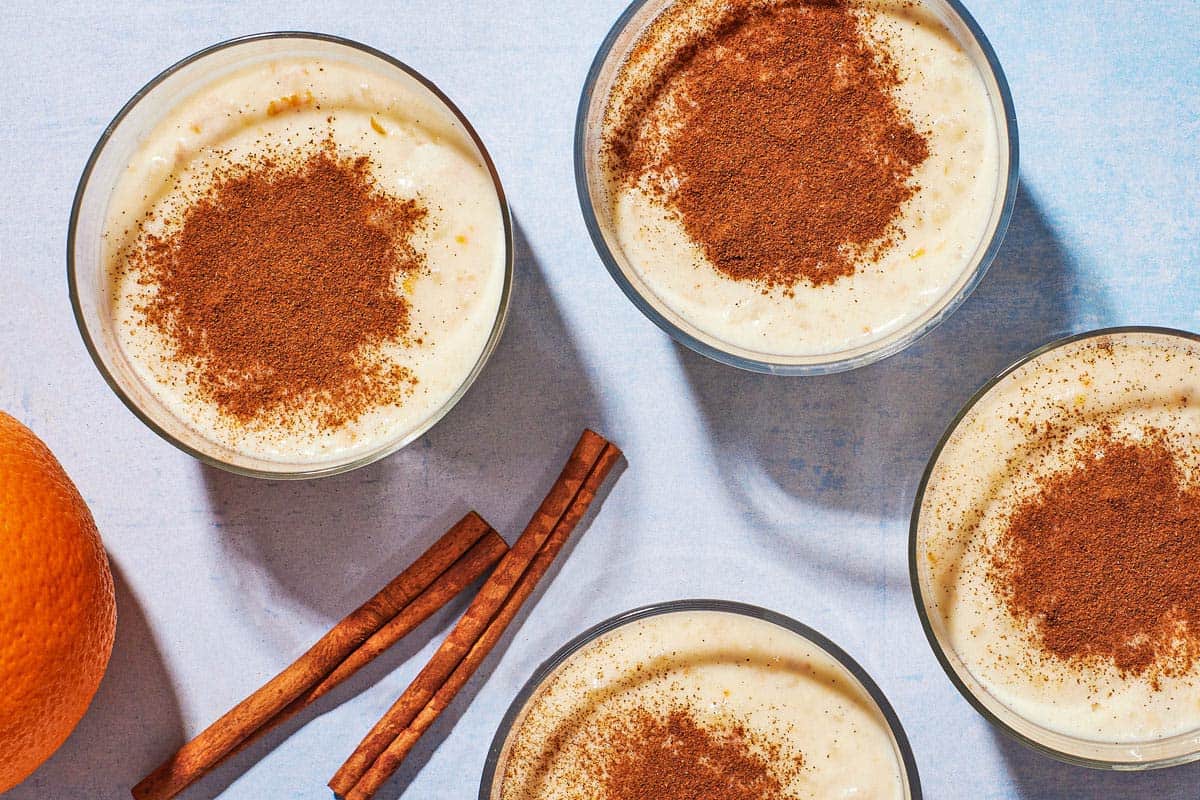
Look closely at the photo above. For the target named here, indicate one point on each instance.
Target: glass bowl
(1128, 756)
(493, 771)
(591, 187)
(86, 277)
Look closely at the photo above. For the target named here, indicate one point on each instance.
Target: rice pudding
(663, 704)
(307, 258)
(798, 179)
(1056, 541)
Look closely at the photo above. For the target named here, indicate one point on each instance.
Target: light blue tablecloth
(792, 494)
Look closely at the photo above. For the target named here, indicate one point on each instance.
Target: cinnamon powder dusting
(673, 757)
(277, 285)
(1102, 558)
(776, 140)
(664, 752)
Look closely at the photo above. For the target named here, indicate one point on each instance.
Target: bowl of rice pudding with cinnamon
(796, 187)
(1054, 544)
(699, 698)
(290, 255)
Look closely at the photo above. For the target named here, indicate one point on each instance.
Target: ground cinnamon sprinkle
(276, 286)
(673, 757)
(777, 140)
(1103, 558)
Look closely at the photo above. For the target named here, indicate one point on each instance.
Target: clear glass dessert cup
(1125, 756)
(493, 771)
(590, 184)
(87, 282)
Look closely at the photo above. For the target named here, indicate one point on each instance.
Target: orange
(57, 611)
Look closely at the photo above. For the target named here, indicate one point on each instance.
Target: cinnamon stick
(476, 562)
(554, 520)
(263, 708)
(391, 758)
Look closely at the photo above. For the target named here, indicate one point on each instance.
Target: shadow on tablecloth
(1038, 777)
(859, 441)
(133, 723)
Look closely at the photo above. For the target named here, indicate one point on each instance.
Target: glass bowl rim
(548, 667)
(918, 591)
(367, 458)
(806, 365)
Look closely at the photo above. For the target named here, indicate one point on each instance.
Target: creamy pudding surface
(1057, 539)
(376, 351)
(834, 247)
(671, 704)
